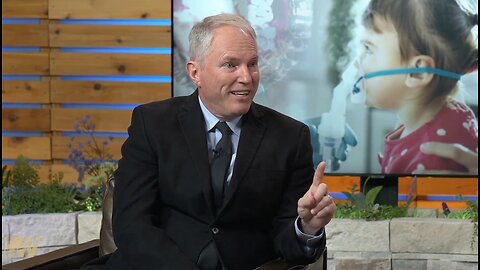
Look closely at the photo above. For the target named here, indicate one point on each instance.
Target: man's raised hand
(316, 208)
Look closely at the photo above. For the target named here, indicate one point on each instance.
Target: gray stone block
(428, 235)
(365, 264)
(436, 256)
(449, 265)
(38, 230)
(409, 264)
(89, 224)
(358, 235)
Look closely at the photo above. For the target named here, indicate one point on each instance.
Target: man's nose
(244, 74)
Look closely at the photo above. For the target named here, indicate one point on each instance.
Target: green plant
(22, 192)
(23, 174)
(361, 205)
(6, 176)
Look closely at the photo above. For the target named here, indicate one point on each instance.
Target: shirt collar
(211, 120)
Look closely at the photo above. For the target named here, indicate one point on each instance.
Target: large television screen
(343, 73)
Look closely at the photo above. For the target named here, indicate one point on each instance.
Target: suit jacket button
(215, 230)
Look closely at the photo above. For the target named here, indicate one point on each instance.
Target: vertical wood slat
(25, 9)
(124, 9)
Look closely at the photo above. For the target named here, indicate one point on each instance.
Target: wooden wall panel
(60, 149)
(51, 36)
(31, 147)
(105, 120)
(25, 9)
(109, 64)
(26, 91)
(341, 183)
(108, 92)
(27, 35)
(25, 63)
(123, 9)
(26, 120)
(103, 36)
(451, 186)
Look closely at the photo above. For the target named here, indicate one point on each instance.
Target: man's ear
(193, 71)
(416, 80)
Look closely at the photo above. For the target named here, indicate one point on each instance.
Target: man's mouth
(241, 93)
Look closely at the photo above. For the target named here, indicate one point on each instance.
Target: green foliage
(339, 34)
(6, 176)
(23, 194)
(94, 201)
(23, 174)
(362, 205)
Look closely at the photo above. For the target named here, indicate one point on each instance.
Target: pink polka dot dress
(455, 123)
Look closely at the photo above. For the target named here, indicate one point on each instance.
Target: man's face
(228, 77)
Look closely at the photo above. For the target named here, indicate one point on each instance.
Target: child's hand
(456, 152)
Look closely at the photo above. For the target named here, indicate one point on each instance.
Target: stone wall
(25, 236)
(399, 244)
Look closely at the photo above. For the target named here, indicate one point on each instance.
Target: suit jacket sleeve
(300, 176)
(141, 243)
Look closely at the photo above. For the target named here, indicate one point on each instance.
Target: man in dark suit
(170, 209)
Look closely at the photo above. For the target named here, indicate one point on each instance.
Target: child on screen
(415, 52)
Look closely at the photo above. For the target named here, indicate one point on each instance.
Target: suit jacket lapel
(250, 138)
(193, 126)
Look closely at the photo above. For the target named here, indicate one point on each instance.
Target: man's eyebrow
(233, 58)
(229, 58)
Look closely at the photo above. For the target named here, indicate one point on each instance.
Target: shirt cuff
(310, 241)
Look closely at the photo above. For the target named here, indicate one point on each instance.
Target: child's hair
(440, 29)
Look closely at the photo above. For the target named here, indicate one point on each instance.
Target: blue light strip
(125, 107)
(21, 134)
(154, 79)
(21, 78)
(20, 49)
(450, 198)
(120, 22)
(97, 134)
(20, 21)
(119, 50)
(21, 106)
(403, 198)
(66, 161)
(12, 162)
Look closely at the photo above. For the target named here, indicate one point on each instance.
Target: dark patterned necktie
(221, 162)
